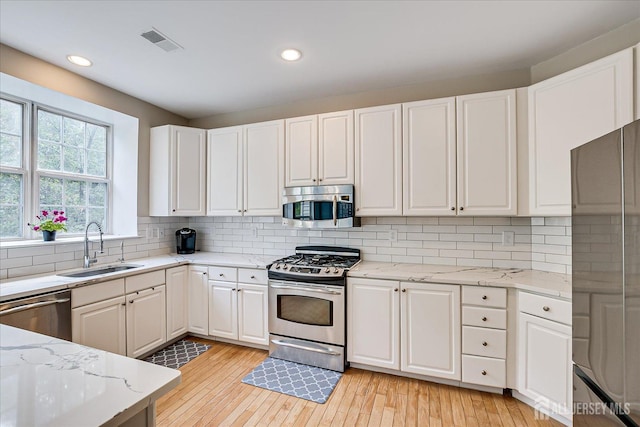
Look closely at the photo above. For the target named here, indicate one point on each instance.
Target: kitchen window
(57, 160)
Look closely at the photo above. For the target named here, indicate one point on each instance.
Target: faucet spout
(87, 259)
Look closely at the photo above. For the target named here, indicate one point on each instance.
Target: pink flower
(36, 228)
(62, 213)
(45, 213)
(55, 212)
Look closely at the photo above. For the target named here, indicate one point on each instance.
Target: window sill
(61, 241)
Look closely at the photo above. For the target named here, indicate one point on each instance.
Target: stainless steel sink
(102, 270)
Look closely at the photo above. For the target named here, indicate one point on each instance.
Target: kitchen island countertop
(52, 382)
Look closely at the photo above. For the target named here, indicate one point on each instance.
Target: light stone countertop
(552, 284)
(52, 382)
(34, 285)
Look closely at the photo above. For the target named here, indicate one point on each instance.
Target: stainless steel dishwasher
(48, 314)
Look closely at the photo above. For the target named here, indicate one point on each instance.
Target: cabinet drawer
(486, 297)
(252, 275)
(143, 281)
(227, 274)
(545, 307)
(484, 317)
(484, 371)
(484, 342)
(98, 292)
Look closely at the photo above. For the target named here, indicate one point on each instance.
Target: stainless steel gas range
(307, 306)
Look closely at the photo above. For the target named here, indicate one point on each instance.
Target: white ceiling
(230, 58)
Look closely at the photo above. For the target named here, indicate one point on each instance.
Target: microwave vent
(160, 40)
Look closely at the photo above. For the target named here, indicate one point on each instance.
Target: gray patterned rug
(177, 354)
(294, 379)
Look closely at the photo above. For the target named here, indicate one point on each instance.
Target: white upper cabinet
(486, 145)
(301, 151)
(177, 171)
(378, 148)
(263, 168)
(245, 170)
(224, 171)
(459, 155)
(562, 113)
(429, 157)
(319, 149)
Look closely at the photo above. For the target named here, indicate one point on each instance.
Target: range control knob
(335, 270)
(326, 270)
(277, 266)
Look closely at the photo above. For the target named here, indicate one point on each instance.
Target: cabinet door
(429, 157)
(224, 171)
(378, 161)
(177, 281)
(198, 313)
(427, 349)
(252, 314)
(223, 312)
(335, 148)
(373, 324)
(263, 168)
(486, 147)
(187, 171)
(544, 360)
(146, 320)
(565, 112)
(101, 325)
(301, 151)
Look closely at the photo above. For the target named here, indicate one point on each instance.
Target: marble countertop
(33, 285)
(552, 284)
(52, 382)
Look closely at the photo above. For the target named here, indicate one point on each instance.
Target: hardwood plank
(211, 393)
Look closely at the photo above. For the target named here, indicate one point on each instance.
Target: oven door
(307, 311)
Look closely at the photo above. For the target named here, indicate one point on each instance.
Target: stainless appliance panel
(306, 311)
(48, 314)
(307, 352)
(319, 206)
(606, 275)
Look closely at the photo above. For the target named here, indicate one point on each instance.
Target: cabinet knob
(233, 289)
(130, 301)
(253, 277)
(204, 274)
(484, 372)
(546, 308)
(484, 343)
(221, 275)
(357, 209)
(314, 180)
(404, 290)
(320, 180)
(453, 208)
(245, 210)
(395, 290)
(239, 210)
(239, 290)
(124, 304)
(484, 318)
(461, 208)
(484, 297)
(173, 210)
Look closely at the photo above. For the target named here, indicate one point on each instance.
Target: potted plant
(50, 224)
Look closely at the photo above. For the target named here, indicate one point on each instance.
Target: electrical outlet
(393, 235)
(508, 238)
(160, 233)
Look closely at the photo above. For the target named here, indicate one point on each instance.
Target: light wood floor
(211, 394)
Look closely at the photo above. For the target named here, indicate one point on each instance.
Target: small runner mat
(294, 379)
(177, 354)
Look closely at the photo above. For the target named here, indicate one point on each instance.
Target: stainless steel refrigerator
(605, 224)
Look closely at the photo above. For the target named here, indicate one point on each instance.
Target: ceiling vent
(160, 40)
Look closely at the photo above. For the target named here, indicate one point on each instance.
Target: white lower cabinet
(98, 316)
(407, 326)
(544, 352)
(430, 329)
(177, 281)
(146, 320)
(238, 310)
(198, 300)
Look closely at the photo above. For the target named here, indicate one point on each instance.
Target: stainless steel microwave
(319, 206)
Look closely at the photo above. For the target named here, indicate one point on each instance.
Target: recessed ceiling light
(79, 60)
(291, 54)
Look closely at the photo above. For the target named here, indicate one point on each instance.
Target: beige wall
(413, 92)
(614, 41)
(34, 70)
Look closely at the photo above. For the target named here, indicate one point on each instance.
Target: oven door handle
(307, 348)
(306, 289)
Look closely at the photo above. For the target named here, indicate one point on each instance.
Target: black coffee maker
(186, 241)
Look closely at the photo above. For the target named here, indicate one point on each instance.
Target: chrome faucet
(87, 260)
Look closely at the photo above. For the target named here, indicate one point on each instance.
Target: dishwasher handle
(32, 305)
